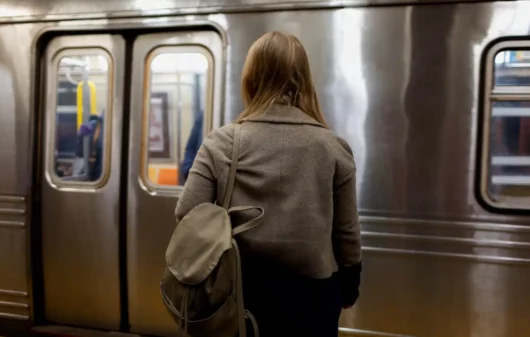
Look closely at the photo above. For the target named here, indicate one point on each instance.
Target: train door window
(178, 92)
(506, 153)
(81, 104)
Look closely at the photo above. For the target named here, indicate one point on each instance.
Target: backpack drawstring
(184, 312)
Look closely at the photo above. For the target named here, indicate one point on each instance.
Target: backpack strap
(233, 167)
(249, 224)
(239, 229)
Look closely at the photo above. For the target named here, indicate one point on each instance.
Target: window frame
(499, 94)
(51, 113)
(186, 48)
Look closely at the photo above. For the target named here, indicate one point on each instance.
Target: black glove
(350, 282)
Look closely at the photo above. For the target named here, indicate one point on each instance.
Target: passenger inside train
(87, 163)
(89, 150)
(192, 147)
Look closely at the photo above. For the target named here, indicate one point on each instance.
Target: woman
(303, 263)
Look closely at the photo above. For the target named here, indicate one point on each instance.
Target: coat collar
(283, 114)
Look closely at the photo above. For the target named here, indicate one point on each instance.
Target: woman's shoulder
(219, 140)
(338, 145)
(224, 132)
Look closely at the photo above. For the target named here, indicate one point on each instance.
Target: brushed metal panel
(15, 163)
(13, 258)
(150, 217)
(35, 10)
(476, 241)
(80, 223)
(8, 111)
(434, 296)
(14, 110)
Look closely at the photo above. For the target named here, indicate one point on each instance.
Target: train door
(81, 179)
(175, 100)
(113, 171)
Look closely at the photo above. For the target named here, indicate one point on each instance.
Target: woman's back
(290, 165)
(303, 262)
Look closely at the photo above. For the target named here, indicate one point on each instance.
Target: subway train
(103, 103)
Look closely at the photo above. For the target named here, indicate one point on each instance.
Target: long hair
(277, 70)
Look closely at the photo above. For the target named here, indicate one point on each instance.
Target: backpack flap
(198, 242)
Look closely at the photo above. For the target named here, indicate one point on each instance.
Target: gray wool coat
(301, 173)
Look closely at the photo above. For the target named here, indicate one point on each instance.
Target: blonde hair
(277, 71)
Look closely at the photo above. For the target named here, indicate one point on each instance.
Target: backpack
(202, 284)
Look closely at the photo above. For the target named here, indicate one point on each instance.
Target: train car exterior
(102, 102)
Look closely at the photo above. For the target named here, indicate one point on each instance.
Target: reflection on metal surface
(437, 225)
(476, 241)
(477, 258)
(357, 332)
(449, 240)
(14, 316)
(14, 199)
(29, 10)
(10, 211)
(13, 304)
(4, 223)
(13, 293)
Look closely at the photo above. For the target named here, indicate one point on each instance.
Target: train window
(507, 154)
(511, 68)
(82, 83)
(178, 94)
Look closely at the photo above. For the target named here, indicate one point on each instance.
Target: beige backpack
(202, 285)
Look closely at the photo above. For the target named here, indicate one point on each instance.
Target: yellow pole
(93, 101)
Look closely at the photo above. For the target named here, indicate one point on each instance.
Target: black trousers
(287, 304)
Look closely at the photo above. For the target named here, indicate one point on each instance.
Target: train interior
(176, 103)
(510, 126)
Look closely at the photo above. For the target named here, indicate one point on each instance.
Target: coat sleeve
(346, 228)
